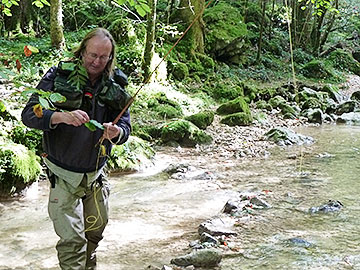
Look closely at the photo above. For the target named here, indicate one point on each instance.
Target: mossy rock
(19, 167)
(288, 111)
(179, 70)
(168, 111)
(185, 133)
(333, 92)
(133, 155)
(205, 60)
(223, 92)
(237, 119)
(277, 101)
(317, 69)
(226, 33)
(344, 61)
(355, 96)
(284, 136)
(311, 103)
(31, 138)
(234, 106)
(202, 119)
(164, 107)
(263, 105)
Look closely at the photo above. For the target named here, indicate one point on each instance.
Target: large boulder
(184, 133)
(202, 119)
(199, 258)
(284, 136)
(234, 106)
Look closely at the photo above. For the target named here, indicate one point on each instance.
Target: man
(78, 201)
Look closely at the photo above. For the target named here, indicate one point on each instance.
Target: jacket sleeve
(125, 124)
(28, 116)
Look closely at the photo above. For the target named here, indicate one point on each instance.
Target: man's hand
(75, 118)
(111, 131)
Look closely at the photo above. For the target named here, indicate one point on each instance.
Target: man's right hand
(75, 118)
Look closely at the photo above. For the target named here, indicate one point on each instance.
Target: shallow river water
(153, 218)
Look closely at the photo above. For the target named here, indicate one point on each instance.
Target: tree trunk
(150, 39)
(328, 29)
(26, 16)
(316, 32)
(12, 23)
(187, 11)
(56, 24)
(263, 6)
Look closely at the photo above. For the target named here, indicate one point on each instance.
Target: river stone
(330, 206)
(259, 202)
(352, 118)
(300, 242)
(199, 258)
(283, 136)
(217, 227)
(205, 237)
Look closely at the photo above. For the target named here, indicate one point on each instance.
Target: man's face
(96, 55)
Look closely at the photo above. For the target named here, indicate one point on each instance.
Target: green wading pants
(79, 215)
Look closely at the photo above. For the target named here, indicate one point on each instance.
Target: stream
(153, 217)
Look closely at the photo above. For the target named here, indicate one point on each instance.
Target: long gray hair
(109, 68)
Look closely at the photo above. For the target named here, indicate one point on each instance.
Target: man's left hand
(111, 131)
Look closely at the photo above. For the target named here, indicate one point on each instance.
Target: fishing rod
(162, 60)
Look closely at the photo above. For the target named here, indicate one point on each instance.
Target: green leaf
(68, 66)
(56, 97)
(121, 2)
(33, 49)
(27, 92)
(140, 10)
(90, 126)
(44, 103)
(93, 124)
(2, 106)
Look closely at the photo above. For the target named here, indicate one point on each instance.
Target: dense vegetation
(247, 53)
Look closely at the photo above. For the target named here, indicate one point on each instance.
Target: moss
(224, 25)
(184, 133)
(164, 107)
(237, 119)
(19, 167)
(344, 61)
(263, 105)
(205, 60)
(179, 70)
(202, 119)
(222, 91)
(130, 156)
(237, 105)
(317, 69)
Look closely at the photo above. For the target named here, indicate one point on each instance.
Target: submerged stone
(199, 258)
(330, 206)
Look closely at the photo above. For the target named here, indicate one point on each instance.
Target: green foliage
(41, 3)
(6, 6)
(140, 5)
(164, 107)
(31, 138)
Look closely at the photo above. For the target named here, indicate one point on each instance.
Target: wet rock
(347, 106)
(300, 242)
(199, 258)
(352, 118)
(218, 227)
(208, 238)
(315, 116)
(259, 202)
(185, 171)
(165, 267)
(231, 207)
(330, 206)
(284, 136)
